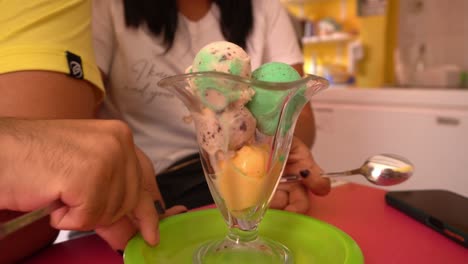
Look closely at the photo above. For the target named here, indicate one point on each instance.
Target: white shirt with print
(134, 61)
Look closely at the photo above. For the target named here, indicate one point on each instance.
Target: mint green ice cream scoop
(266, 104)
(226, 57)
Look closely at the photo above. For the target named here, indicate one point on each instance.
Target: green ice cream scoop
(266, 104)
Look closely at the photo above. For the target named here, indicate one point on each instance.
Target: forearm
(8, 151)
(19, 139)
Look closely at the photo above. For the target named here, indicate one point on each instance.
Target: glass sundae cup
(244, 132)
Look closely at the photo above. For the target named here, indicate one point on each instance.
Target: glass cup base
(259, 251)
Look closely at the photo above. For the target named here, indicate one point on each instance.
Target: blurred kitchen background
(399, 84)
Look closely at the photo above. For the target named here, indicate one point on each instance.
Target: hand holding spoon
(382, 169)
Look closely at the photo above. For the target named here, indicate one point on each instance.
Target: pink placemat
(384, 234)
(90, 249)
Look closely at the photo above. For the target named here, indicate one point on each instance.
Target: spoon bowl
(386, 169)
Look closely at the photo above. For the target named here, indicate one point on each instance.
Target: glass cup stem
(241, 236)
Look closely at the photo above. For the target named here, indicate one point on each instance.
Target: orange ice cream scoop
(242, 176)
(251, 161)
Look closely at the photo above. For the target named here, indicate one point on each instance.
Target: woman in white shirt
(139, 42)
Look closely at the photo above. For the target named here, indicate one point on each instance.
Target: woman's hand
(294, 196)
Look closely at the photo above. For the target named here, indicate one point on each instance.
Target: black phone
(442, 210)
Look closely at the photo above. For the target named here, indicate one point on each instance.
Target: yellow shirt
(53, 35)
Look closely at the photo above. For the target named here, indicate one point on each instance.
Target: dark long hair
(161, 18)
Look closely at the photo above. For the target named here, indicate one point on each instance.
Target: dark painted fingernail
(120, 252)
(159, 207)
(304, 173)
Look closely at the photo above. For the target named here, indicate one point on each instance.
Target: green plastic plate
(310, 240)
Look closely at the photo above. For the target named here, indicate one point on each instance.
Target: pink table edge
(384, 234)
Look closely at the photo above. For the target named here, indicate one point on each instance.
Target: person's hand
(127, 226)
(294, 196)
(91, 167)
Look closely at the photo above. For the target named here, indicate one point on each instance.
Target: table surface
(384, 234)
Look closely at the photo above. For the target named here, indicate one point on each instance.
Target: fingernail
(159, 207)
(120, 252)
(304, 173)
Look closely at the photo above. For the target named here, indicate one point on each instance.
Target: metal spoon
(17, 223)
(382, 169)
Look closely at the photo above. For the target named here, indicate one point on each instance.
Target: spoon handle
(26, 219)
(341, 173)
(293, 177)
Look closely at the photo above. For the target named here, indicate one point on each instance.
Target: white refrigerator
(427, 126)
